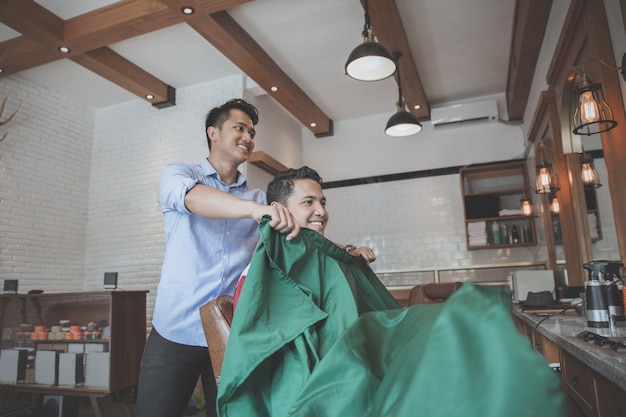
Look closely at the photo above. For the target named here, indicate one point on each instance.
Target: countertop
(563, 329)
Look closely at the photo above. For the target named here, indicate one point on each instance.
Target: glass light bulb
(527, 208)
(554, 205)
(588, 108)
(586, 173)
(543, 179)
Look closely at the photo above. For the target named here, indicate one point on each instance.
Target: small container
(65, 325)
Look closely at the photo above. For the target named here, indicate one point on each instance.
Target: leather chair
(433, 292)
(217, 316)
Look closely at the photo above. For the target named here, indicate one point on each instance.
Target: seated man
(316, 334)
(300, 191)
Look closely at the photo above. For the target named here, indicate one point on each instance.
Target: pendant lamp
(526, 206)
(592, 114)
(588, 174)
(402, 123)
(370, 61)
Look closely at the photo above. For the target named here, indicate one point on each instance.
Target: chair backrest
(433, 292)
(217, 316)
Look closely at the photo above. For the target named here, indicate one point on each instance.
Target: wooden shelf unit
(488, 189)
(124, 312)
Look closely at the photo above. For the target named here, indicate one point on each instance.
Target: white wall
(44, 188)
(359, 148)
(78, 188)
(132, 144)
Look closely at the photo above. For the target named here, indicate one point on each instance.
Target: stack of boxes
(81, 362)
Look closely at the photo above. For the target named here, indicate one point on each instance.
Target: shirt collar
(209, 171)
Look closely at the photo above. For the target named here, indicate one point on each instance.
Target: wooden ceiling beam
(117, 69)
(228, 37)
(389, 30)
(529, 26)
(26, 16)
(88, 35)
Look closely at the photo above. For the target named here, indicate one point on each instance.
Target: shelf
(517, 191)
(115, 359)
(508, 245)
(488, 190)
(498, 218)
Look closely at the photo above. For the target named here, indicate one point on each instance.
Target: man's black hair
(281, 187)
(218, 115)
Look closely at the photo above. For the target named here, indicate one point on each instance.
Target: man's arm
(210, 202)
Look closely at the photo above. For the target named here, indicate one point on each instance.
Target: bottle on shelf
(514, 234)
(504, 234)
(526, 234)
(495, 234)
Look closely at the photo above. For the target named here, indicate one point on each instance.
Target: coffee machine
(604, 302)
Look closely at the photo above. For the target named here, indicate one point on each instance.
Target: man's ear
(211, 132)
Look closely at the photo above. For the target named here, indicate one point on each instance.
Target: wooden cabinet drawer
(611, 399)
(578, 380)
(546, 347)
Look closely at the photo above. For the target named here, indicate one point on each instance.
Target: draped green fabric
(316, 334)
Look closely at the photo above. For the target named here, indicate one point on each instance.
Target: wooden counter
(594, 376)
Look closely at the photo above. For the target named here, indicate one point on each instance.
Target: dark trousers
(169, 373)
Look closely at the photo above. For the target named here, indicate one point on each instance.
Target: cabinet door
(579, 383)
(611, 399)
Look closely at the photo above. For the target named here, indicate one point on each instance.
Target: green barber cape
(316, 334)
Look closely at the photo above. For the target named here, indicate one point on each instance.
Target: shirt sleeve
(176, 181)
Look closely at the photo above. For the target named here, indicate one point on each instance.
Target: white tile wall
(412, 224)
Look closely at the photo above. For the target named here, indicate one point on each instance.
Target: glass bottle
(495, 234)
(514, 234)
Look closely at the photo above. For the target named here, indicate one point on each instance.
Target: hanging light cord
(367, 26)
(400, 103)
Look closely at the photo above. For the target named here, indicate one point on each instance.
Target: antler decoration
(2, 123)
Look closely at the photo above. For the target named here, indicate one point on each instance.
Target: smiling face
(234, 141)
(307, 204)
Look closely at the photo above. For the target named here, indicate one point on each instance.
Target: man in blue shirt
(211, 228)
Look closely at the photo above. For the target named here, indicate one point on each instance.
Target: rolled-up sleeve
(176, 181)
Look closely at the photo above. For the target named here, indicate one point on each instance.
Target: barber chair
(217, 316)
(433, 292)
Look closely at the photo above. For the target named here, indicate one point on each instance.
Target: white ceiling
(461, 49)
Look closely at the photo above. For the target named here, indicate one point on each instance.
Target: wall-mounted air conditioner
(471, 112)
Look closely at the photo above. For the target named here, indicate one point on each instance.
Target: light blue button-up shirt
(203, 257)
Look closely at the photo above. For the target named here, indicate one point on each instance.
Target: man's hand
(365, 252)
(282, 220)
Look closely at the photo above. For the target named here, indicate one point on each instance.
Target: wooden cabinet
(492, 196)
(587, 392)
(119, 316)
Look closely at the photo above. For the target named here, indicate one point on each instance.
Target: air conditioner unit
(455, 114)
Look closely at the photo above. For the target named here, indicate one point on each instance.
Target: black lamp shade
(370, 61)
(402, 123)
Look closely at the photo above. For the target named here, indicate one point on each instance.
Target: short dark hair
(218, 115)
(281, 187)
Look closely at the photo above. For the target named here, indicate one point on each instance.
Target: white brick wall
(44, 187)
(132, 144)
